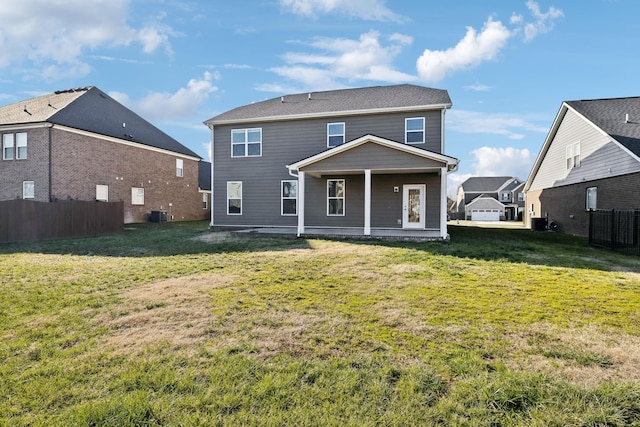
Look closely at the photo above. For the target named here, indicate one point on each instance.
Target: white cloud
(508, 125)
(543, 20)
(165, 106)
(45, 32)
(478, 88)
(492, 161)
(453, 182)
(473, 49)
(346, 59)
(371, 10)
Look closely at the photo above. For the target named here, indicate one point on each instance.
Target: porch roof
(375, 153)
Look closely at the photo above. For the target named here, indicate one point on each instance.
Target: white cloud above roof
(509, 161)
(371, 10)
(51, 34)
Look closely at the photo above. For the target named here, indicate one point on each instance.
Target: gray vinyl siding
(600, 157)
(372, 156)
(284, 143)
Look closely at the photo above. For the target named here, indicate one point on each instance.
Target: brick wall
(81, 162)
(566, 205)
(34, 168)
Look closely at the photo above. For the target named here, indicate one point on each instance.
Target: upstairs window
(179, 167)
(505, 197)
(335, 134)
(246, 142)
(7, 146)
(414, 130)
(521, 197)
(573, 155)
(21, 145)
(591, 198)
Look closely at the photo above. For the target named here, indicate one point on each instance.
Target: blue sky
(507, 64)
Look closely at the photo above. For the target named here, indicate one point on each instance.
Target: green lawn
(169, 324)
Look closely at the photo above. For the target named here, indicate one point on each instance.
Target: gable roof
(89, 109)
(450, 162)
(487, 184)
(365, 100)
(608, 115)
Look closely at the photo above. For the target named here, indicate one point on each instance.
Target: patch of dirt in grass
(214, 237)
(176, 311)
(588, 356)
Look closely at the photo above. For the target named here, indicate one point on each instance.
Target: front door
(413, 206)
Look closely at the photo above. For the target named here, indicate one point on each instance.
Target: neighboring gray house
(494, 198)
(367, 161)
(589, 160)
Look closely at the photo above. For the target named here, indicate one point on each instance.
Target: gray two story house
(366, 161)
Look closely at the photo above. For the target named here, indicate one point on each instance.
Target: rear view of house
(81, 144)
(367, 159)
(589, 160)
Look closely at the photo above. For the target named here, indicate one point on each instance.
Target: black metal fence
(22, 220)
(618, 230)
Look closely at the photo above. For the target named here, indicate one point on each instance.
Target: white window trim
(8, 137)
(344, 197)
(572, 155)
(406, 131)
(102, 190)
(19, 138)
(283, 198)
(587, 199)
(241, 197)
(246, 142)
(137, 196)
(24, 189)
(344, 131)
(179, 168)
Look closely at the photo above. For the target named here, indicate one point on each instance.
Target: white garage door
(485, 215)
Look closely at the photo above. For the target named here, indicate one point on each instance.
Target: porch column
(443, 203)
(300, 203)
(367, 202)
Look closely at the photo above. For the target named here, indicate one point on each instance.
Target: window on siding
(289, 197)
(573, 155)
(246, 142)
(28, 189)
(179, 167)
(102, 193)
(414, 130)
(505, 197)
(7, 146)
(234, 198)
(335, 134)
(335, 197)
(137, 196)
(521, 197)
(591, 198)
(21, 145)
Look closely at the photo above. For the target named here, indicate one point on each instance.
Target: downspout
(50, 167)
(212, 179)
(444, 110)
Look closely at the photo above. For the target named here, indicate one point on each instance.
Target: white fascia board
(125, 142)
(545, 146)
(21, 126)
(327, 114)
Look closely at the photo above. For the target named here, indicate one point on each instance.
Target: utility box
(158, 216)
(538, 224)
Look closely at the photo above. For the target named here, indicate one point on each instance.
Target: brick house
(82, 144)
(589, 160)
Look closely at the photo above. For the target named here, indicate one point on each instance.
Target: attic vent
(282, 99)
(309, 96)
(26, 111)
(626, 118)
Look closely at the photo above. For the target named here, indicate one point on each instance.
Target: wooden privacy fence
(22, 220)
(618, 230)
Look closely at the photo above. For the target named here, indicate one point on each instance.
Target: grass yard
(168, 324)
